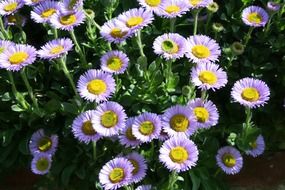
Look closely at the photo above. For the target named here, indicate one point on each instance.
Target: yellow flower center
(178, 154)
(229, 160)
(201, 51)
(134, 21)
(10, 7)
(117, 175)
(109, 119)
(129, 134)
(194, 2)
(146, 128)
(179, 123)
(12, 19)
(114, 63)
(208, 77)
(68, 19)
(117, 33)
(48, 12)
(57, 49)
(153, 3)
(44, 144)
(253, 145)
(96, 86)
(254, 18)
(42, 164)
(172, 9)
(18, 57)
(170, 46)
(201, 114)
(87, 128)
(136, 166)
(35, 1)
(250, 94)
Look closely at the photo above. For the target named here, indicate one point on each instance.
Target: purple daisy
(195, 4)
(82, 127)
(15, 20)
(8, 7)
(55, 48)
(208, 76)
(115, 62)
(109, 119)
(272, 6)
(178, 120)
(229, 160)
(250, 92)
(41, 144)
(127, 138)
(173, 8)
(96, 85)
(5, 44)
(68, 6)
(32, 2)
(139, 164)
(43, 12)
(14, 58)
(202, 49)
(115, 31)
(170, 46)
(257, 147)
(67, 21)
(136, 19)
(144, 187)
(147, 127)
(116, 173)
(206, 112)
(151, 5)
(255, 16)
(41, 164)
(178, 154)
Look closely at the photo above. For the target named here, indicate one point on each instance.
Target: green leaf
(196, 181)
(67, 172)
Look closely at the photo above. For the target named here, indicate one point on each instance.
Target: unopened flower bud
(213, 7)
(218, 27)
(237, 48)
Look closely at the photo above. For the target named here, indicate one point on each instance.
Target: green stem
(217, 172)
(208, 21)
(172, 180)
(79, 50)
(172, 24)
(94, 150)
(248, 36)
(248, 116)
(268, 25)
(230, 61)
(204, 94)
(139, 42)
(196, 16)
(68, 75)
(29, 88)
(3, 30)
(55, 33)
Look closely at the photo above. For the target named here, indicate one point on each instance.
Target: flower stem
(140, 45)
(68, 75)
(204, 95)
(172, 24)
(172, 180)
(196, 16)
(79, 50)
(3, 30)
(29, 88)
(248, 116)
(94, 150)
(208, 21)
(55, 33)
(248, 36)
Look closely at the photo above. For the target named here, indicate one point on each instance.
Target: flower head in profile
(139, 164)
(115, 62)
(96, 85)
(67, 21)
(229, 160)
(250, 92)
(272, 6)
(32, 2)
(8, 7)
(15, 20)
(257, 147)
(195, 4)
(178, 154)
(67, 6)
(255, 16)
(41, 164)
(43, 12)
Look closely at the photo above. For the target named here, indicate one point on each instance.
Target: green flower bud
(218, 27)
(186, 90)
(237, 48)
(213, 7)
(90, 14)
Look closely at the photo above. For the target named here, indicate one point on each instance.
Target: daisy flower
(96, 85)
(257, 147)
(229, 160)
(195, 4)
(151, 5)
(255, 16)
(144, 187)
(15, 20)
(67, 21)
(177, 120)
(5, 44)
(170, 46)
(272, 6)
(126, 137)
(55, 48)
(208, 76)
(114, 62)
(15, 57)
(202, 49)
(109, 119)
(136, 19)
(83, 129)
(250, 92)
(206, 112)
(146, 127)
(70, 5)
(42, 144)
(32, 2)
(115, 31)
(116, 173)
(139, 164)
(8, 7)
(43, 12)
(178, 154)
(41, 164)
(173, 8)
